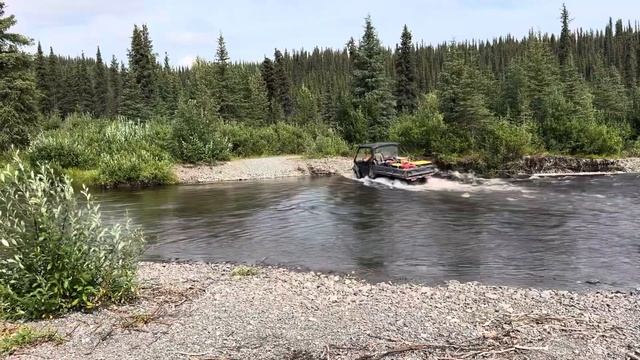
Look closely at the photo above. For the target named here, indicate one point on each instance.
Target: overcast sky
(252, 28)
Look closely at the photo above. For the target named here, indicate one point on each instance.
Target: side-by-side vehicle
(383, 160)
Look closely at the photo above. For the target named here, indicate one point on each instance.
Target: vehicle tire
(372, 175)
(356, 172)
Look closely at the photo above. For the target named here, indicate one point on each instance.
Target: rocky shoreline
(221, 311)
(530, 165)
(293, 166)
(262, 168)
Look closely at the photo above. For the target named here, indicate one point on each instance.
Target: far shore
(223, 311)
(273, 167)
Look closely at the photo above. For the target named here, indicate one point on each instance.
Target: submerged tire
(356, 172)
(372, 175)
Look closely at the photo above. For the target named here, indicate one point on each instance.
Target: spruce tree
(254, 91)
(609, 94)
(18, 92)
(282, 84)
(41, 81)
(566, 40)
(406, 91)
(370, 85)
(542, 77)
(53, 82)
(100, 87)
(226, 86)
(460, 91)
(307, 111)
(142, 68)
(83, 87)
(115, 88)
(131, 105)
(576, 92)
(167, 89)
(267, 70)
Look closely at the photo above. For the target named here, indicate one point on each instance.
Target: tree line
(554, 82)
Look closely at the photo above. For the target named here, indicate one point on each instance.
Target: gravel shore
(262, 168)
(204, 311)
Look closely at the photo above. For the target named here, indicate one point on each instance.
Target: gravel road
(203, 311)
(262, 168)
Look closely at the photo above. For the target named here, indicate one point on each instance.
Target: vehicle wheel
(372, 175)
(356, 173)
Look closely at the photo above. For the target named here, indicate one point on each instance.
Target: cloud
(187, 60)
(191, 38)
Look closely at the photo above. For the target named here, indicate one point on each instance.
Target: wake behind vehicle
(383, 160)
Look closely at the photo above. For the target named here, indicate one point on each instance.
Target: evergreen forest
(483, 103)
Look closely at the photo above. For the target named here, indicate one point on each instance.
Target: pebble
(281, 313)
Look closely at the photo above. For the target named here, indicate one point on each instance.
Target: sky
(252, 29)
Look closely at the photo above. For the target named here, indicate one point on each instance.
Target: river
(566, 233)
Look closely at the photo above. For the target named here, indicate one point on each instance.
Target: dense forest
(484, 102)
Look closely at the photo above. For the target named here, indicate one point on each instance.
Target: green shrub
(504, 141)
(328, 145)
(576, 136)
(423, 132)
(95, 151)
(55, 253)
(138, 167)
(290, 139)
(60, 148)
(633, 149)
(197, 136)
(249, 141)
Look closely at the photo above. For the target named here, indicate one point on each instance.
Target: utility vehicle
(383, 160)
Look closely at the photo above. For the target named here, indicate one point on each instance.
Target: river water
(568, 233)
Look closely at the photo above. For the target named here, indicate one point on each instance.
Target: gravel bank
(262, 168)
(202, 311)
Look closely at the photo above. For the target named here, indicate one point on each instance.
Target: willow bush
(56, 254)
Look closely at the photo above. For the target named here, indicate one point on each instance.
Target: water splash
(441, 184)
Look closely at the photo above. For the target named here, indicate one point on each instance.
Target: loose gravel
(262, 168)
(202, 311)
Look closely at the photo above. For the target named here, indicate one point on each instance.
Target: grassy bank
(112, 152)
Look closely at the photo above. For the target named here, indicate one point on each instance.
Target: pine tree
(100, 87)
(282, 84)
(370, 85)
(406, 91)
(18, 92)
(115, 88)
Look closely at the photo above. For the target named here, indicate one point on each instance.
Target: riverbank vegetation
(56, 255)
(477, 103)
